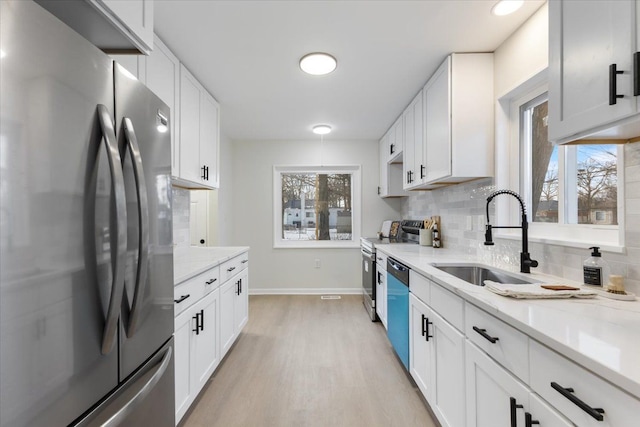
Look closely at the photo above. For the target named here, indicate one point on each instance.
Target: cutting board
(386, 227)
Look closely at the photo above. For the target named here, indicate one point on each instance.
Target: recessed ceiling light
(321, 129)
(505, 7)
(318, 63)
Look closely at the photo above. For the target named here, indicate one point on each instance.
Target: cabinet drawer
(505, 344)
(551, 377)
(186, 294)
(420, 286)
(211, 279)
(448, 305)
(230, 268)
(381, 261)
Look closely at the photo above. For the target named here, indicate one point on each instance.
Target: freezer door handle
(140, 396)
(143, 220)
(119, 234)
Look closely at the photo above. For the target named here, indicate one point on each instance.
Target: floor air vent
(330, 297)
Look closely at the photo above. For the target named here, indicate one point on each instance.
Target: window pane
(544, 167)
(596, 175)
(316, 206)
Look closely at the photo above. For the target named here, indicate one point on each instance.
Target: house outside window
(316, 206)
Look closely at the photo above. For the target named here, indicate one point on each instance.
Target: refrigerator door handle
(117, 418)
(143, 220)
(120, 232)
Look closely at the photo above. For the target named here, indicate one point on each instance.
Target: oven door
(369, 282)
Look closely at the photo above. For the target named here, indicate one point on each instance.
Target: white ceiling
(246, 54)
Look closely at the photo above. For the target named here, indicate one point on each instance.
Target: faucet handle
(488, 238)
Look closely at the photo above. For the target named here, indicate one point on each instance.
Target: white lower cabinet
(234, 299)
(381, 294)
(197, 349)
(436, 362)
(495, 398)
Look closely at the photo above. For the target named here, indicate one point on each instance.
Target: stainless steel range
(408, 234)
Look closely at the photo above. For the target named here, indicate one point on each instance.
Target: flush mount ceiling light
(321, 129)
(318, 63)
(505, 7)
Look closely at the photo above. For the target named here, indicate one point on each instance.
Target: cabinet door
(241, 302)
(417, 109)
(205, 354)
(209, 139)
(163, 78)
(189, 126)
(544, 414)
(136, 16)
(384, 168)
(227, 304)
(492, 392)
(408, 153)
(437, 123)
(447, 372)
(396, 145)
(182, 361)
(381, 295)
(585, 38)
(420, 338)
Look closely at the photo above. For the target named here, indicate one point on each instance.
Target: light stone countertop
(601, 334)
(192, 260)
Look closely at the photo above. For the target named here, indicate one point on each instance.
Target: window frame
(356, 207)
(609, 237)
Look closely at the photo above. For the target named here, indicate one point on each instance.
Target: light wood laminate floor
(303, 361)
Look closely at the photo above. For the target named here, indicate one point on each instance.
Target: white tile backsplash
(454, 204)
(181, 217)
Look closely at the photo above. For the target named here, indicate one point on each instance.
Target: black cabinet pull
(230, 269)
(202, 319)
(484, 333)
(514, 407)
(197, 329)
(244, 261)
(208, 282)
(204, 172)
(425, 328)
(568, 393)
(422, 171)
(529, 421)
(613, 84)
(378, 191)
(380, 278)
(182, 298)
(240, 286)
(636, 74)
(392, 148)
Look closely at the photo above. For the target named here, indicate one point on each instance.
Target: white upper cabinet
(162, 76)
(390, 169)
(133, 17)
(587, 40)
(199, 134)
(459, 120)
(412, 119)
(115, 26)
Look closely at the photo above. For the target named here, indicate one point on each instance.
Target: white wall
(224, 202)
(293, 270)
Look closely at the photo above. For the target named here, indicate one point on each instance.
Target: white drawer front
(244, 260)
(381, 261)
(230, 268)
(505, 344)
(420, 286)
(211, 279)
(448, 305)
(186, 294)
(547, 367)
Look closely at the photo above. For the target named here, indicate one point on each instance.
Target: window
(317, 206)
(571, 191)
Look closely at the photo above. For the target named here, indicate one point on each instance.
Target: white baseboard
(306, 291)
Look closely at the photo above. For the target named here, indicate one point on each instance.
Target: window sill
(316, 245)
(580, 244)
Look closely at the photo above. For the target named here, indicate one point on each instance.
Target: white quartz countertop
(193, 260)
(601, 334)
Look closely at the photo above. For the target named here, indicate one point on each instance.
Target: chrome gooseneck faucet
(525, 259)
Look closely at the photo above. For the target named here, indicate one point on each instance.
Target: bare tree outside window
(316, 206)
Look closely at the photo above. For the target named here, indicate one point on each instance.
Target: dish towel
(535, 290)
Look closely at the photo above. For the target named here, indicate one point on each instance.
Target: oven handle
(368, 255)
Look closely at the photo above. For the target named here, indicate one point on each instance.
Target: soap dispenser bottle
(595, 269)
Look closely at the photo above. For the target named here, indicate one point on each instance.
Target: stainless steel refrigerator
(86, 262)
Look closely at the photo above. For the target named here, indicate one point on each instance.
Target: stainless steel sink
(476, 274)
